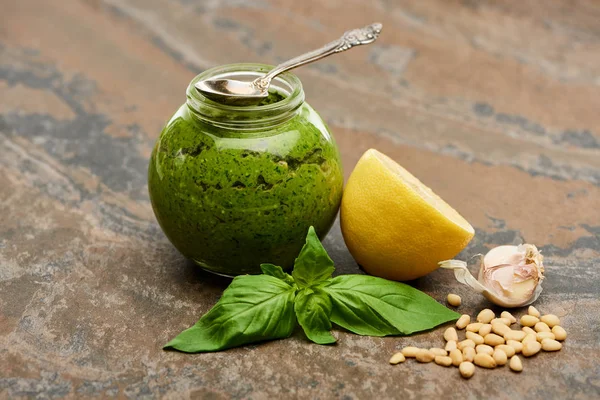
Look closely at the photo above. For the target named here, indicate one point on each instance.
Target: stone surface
(492, 104)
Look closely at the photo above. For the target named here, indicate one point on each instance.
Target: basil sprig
(256, 308)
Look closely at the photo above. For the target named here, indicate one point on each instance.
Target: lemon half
(394, 226)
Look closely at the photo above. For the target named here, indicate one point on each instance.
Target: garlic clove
(513, 273)
(509, 276)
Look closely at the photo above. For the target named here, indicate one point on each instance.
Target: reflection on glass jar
(233, 187)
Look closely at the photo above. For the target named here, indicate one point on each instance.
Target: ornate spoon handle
(349, 39)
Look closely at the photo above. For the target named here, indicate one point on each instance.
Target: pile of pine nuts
(490, 342)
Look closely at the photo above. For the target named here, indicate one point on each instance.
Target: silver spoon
(245, 93)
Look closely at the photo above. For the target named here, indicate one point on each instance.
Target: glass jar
(236, 186)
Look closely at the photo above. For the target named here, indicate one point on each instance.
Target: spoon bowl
(231, 91)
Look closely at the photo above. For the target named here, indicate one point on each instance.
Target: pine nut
(397, 358)
(559, 332)
(410, 351)
(438, 352)
(466, 369)
(493, 340)
(504, 321)
(542, 327)
(529, 320)
(509, 316)
(500, 357)
(509, 350)
(485, 329)
(450, 345)
(518, 346)
(527, 329)
(485, 316)
(468, 354)
(477, 339)
(484, 360)
(485, 349)
(499, 328)
(540, 336)
(450, 334)
(515, 335)
(444, 361)
(533, 311)
(551, 345)
(425, 356)
(551, 320)
(474, 327)
(515, 364)
(531, 348)
(454, 300)
(456, 356)
(465, 343)
(463, 321)
(530, 337)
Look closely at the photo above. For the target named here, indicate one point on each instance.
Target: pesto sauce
(232, 200)
(273, 97)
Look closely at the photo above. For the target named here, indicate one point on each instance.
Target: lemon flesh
(394, 226)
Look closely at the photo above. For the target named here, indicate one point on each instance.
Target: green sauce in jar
(273, 97)
(234, 187)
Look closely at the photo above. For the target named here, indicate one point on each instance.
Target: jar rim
(213, 111)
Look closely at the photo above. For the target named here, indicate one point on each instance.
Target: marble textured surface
(493, 104)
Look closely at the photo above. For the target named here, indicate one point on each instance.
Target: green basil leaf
(372, 306)
(313, 264)
(253, 308)
(313, 308)
(277, 272)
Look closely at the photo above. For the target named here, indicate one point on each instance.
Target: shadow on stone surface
(192, 273)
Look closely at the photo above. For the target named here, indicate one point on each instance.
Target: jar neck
(246, 117)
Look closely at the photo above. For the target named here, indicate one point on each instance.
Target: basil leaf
(313, 264)
(277, 272)
(253, 308)
(313, 308)
(372, 306)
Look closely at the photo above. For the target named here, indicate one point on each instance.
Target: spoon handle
(349, 39)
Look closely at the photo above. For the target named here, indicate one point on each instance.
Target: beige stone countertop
(493, 104)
